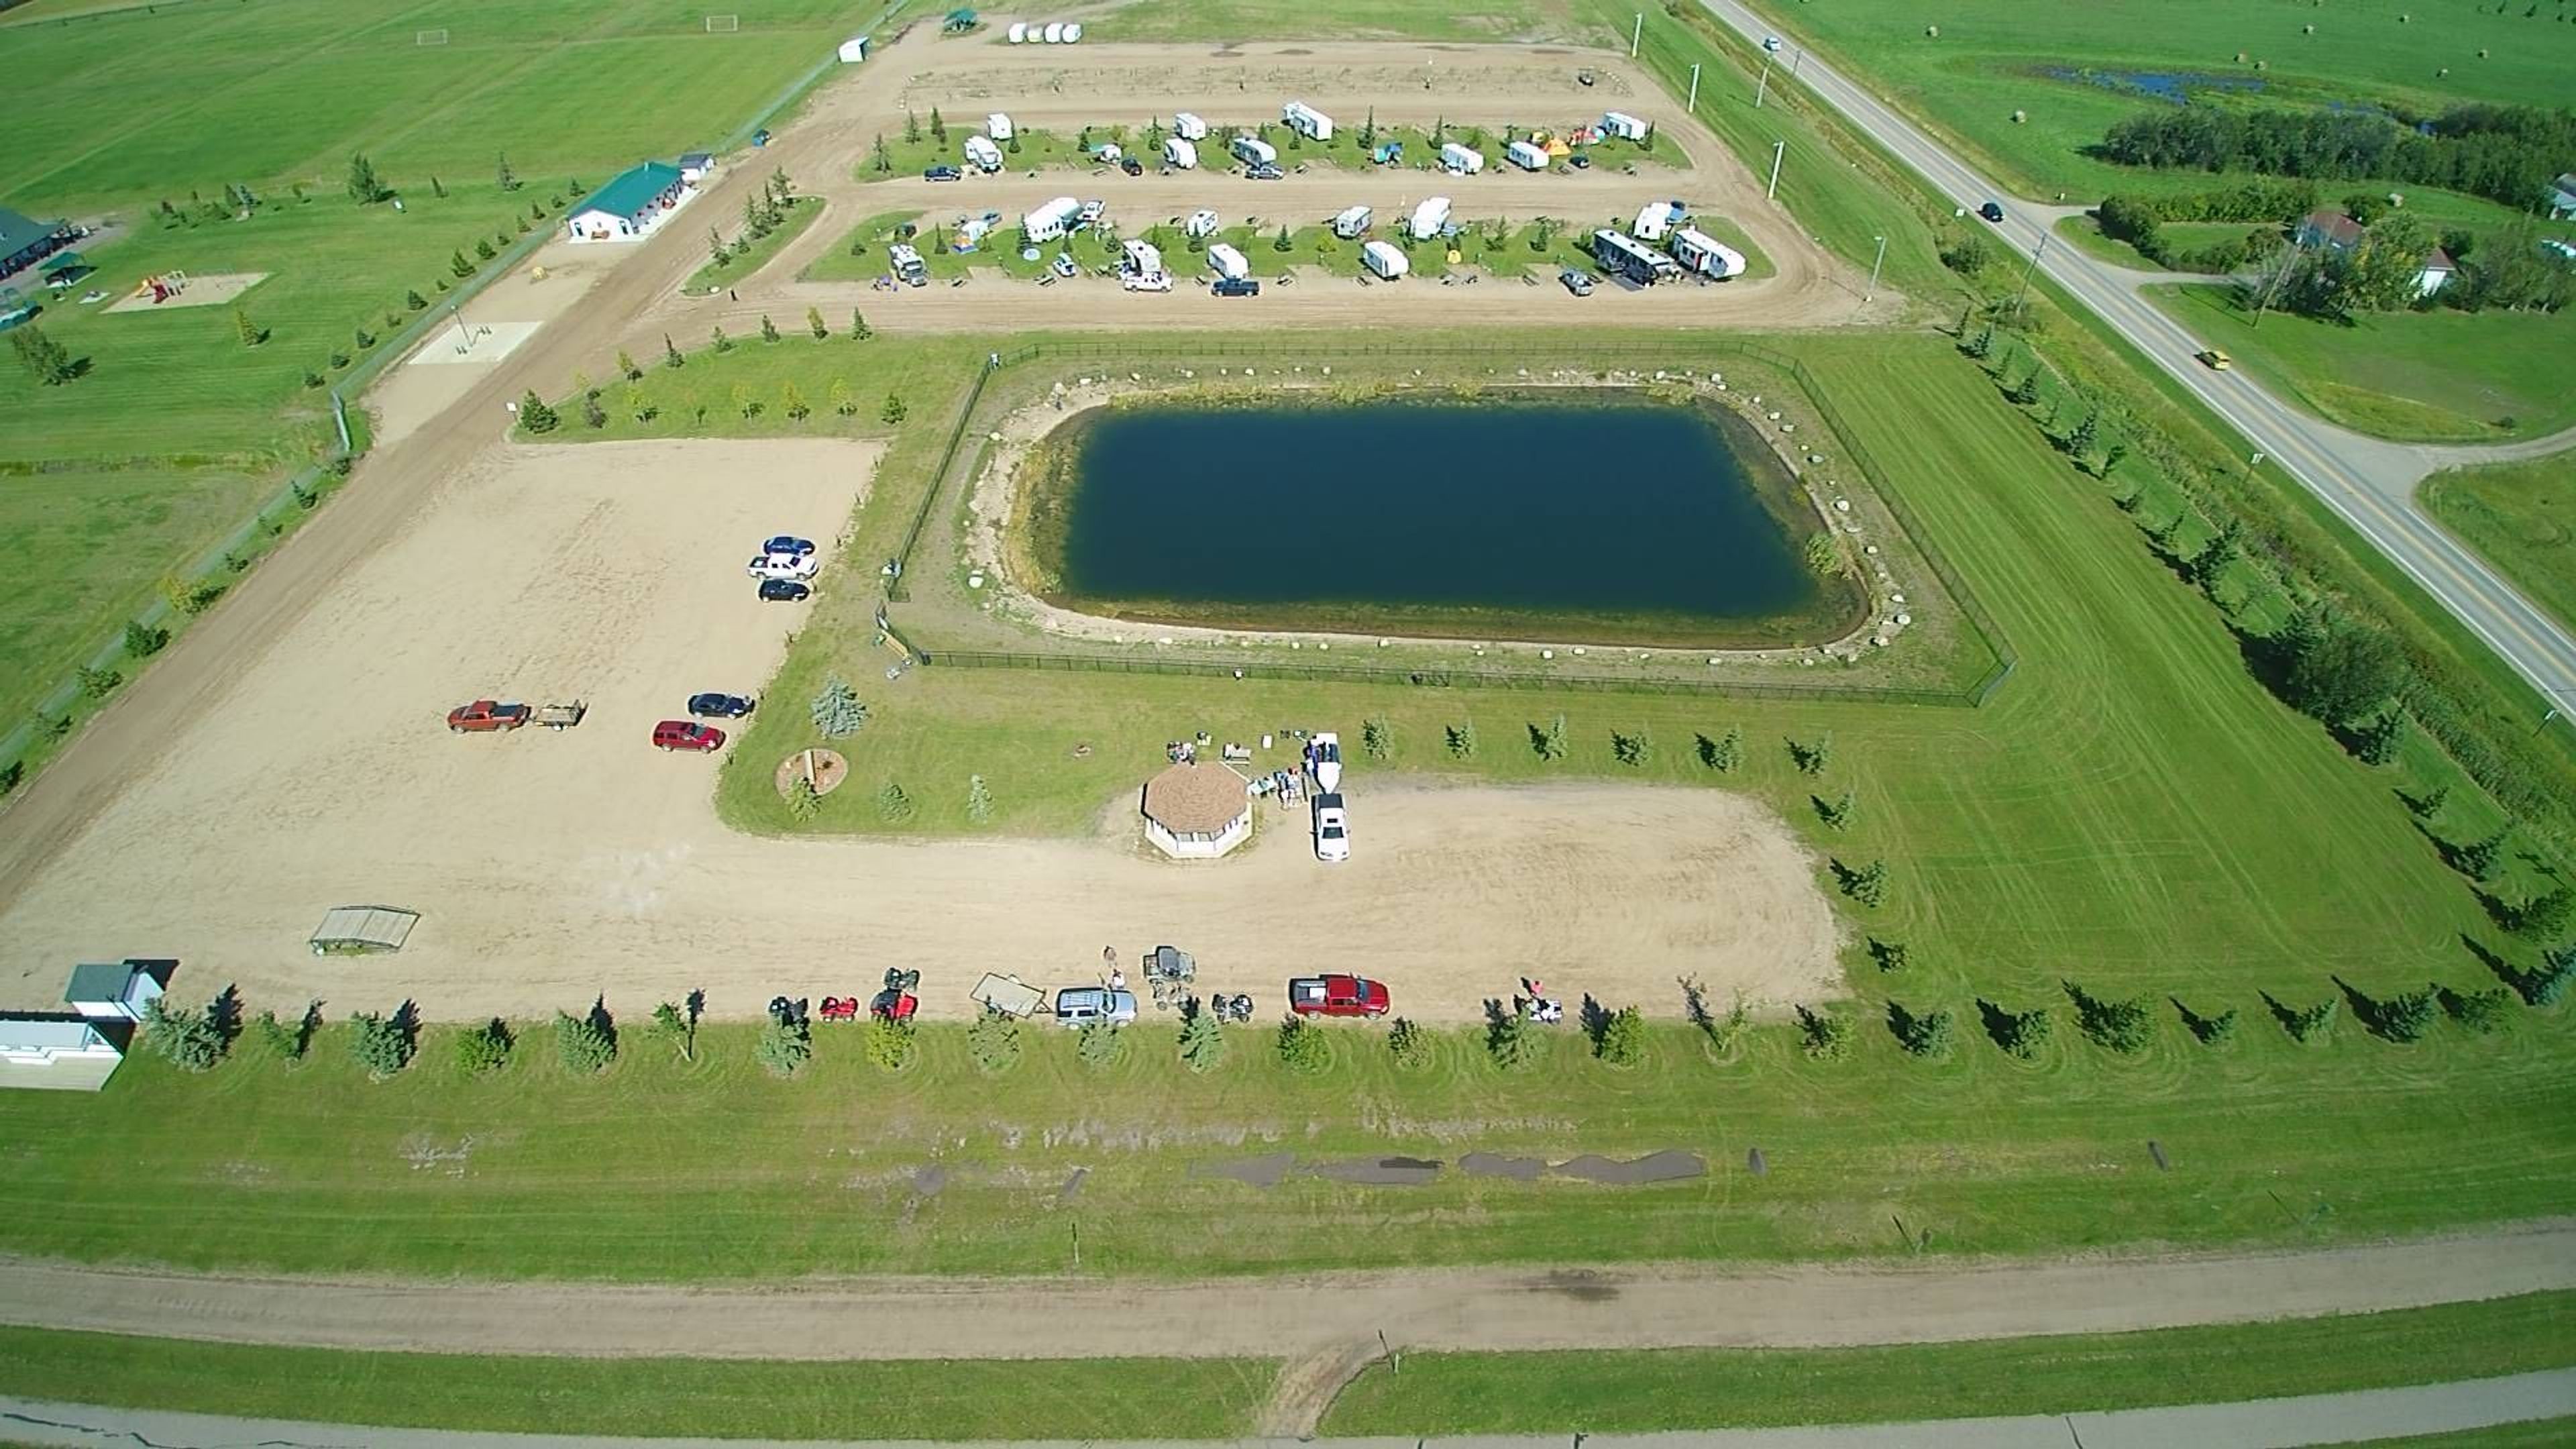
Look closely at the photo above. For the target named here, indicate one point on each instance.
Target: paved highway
(2368, 482)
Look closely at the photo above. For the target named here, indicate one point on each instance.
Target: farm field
(2422, 376)
(1240, 20)
(2522, 518)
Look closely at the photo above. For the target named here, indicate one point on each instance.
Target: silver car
(1080, 1006)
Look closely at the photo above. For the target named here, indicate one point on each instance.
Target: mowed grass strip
(1107, 1398)
(1640, 1391)
(2522, 518)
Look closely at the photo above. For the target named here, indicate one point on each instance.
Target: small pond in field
(1601, 517)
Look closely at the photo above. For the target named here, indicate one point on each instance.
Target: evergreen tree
(626, 367)
(814, 323)
(880, 159)
(843, 401)
(585, 1044)
(860, 331)
(248, 331)
(2086, 434)
(893, 412)
(1623, 1038)
(791, 401)
(191, 1040)
(45, 359)
(504, 177)
(365, 187)
(938, 127)
(1202, 1042)
(484, 1048)
(381, 1044)
(979, 800)
(535, 416)
(671, 355)
(2380, 740)
(911, 127)
(837, 712)
(720, 342)
(893, 805)
(768, 329)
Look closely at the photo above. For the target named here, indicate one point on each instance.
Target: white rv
(1351, 222)
(982, 154)
(1179, 153)
(1050, 221)
(1699, 252)
(1228, 263)
(1623, 126)
(1201, 223)
(1306, 121)
(1188, 127)
(1428, 219)
(906, 261)
(998, 126)
(1460, 160)
(1656, 219)
(1527, 155)
(1253, 151)
(1385, 259)
(1140, 268)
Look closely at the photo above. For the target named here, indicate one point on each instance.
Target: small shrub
(1099, 1045)
(1631, 748)
(585, 1044)
(1202, 1042)
(1410, 1045)
(1887, 955)
(1461, 740)
(2212, 1030)
(1302, 1047)
(1377, 736)
(1724, 753)
(1811, 756)
(893, 805)
(1511, 1043)
(97, 683)
(1866, 884)
(484, 1048)
(1823, 1035)
(783, 1049)
(2020, 1034)
(1623, 1038)
(1930, 1035)
(2406, 1016)
(2310, 1023)
(2120, 1026)
(993, 1043)
(381, 1044)
(889, 1044)
(142, 640)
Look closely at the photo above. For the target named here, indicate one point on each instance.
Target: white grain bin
(1179, 154)
(1188, 127)
(1460, 160)
(1386, 259)
(1526, 155)
(999, 127)
(1351, 221)
(1019, 32)
(1228, 263)
(1054, 33)
(1428, 219)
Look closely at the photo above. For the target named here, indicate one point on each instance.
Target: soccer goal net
(430, 37)
(723, 24)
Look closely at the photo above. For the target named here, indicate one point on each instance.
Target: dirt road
(1495, 1309)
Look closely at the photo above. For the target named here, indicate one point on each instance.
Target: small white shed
(1180, 154)
(1526, 155)
(1351, 221)
(1460, 160)
(1429, 218)
(854, 50)
(1188, 127)
(1386, 259)
(117, 991)
(1306, 121)
(1228, 263)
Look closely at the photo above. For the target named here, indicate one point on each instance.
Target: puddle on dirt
(1264, 1171)
(1271, 1169)
(1665, 1166)
(1378, 1171)
(1488, 1164)
(1581, 1286)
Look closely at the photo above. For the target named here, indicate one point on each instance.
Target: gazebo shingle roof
(1198, 799)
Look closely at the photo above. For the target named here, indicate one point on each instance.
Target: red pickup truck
(487, 714)
(1336, 996)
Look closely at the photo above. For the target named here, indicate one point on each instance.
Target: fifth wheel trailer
(1620, 253)
(1705, 255)
(1140, 267)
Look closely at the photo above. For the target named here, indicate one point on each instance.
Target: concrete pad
(471, 343)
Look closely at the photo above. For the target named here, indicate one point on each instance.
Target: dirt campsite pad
(202, 289)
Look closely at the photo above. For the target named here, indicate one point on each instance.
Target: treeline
(2138, 220)
(2504, 153)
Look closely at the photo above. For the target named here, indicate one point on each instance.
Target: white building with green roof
(631, 205)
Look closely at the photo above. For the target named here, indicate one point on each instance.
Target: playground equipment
(162, 286)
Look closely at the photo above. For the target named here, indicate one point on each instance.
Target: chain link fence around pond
(267, 525)
(1216, 349)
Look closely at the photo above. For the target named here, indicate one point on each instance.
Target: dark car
(1992, 211)
(943, 173)
(783, 591)
(1266, 171)
(1236, 287)
(1579, 161)
(720, 706)
(788, 543)
(681, 734)
(1132, 166)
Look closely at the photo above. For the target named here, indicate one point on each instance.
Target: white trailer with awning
(1705, 255)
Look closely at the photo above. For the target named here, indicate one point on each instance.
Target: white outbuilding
(117, 990)
(1197, 811)
(982, 154)
(1228, 263)
(1188, 127)
(1624, 127)
(1306, 121)
(854, 50)
(1180, 154)
(1386, 259)
(1050, 221)
(1351, 221)
(1429, 219)
(1705, 255)
(1460, 160)
(1526, 155)
(998, 126)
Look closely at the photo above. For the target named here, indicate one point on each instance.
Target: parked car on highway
(788, 543)
(783, 566)
(683, 734)
(1236, 287)
(784, 591)
(485, 715)
(1078, 1006)
(721, 706)
(1332, 828)
(1336, 996)
(1992, 211)
(1576, 281)
(943, 173)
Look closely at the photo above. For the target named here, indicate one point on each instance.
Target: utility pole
(2280, 270)
(1764, 88)
(1873, 271)
(1796, 61)
(1778, 148)
(1692, 105)
(2024, 294)
(1636, 33)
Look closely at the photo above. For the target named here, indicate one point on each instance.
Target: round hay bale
(1933, 31)
(2445, 70)
(2021, 118)
(2307, 30)
(828, 768)
(2240, 57)
(2262, 65)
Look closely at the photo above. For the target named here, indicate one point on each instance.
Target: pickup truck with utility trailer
(486, 715)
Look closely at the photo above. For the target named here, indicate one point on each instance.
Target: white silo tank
(1055, 32)
(1019, 32)
(1073, 32)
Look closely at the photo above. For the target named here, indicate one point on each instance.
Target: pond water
(1600, 519)
(2164, 85)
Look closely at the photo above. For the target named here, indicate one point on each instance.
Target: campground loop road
(2368, 482)
(1488, 1309)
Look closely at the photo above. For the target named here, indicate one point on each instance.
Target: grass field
(2424, 376)
(727, 1398)
(740, 263)
(1483, 20)
(1639, 1392)
(2522, 518)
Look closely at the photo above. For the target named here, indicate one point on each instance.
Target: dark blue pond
(1610, 521)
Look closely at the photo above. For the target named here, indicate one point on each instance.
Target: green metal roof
(631, 191)
(17, 232)
(99, 981)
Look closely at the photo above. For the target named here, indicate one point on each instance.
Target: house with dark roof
(630, 206)
(25, 242)
(2335, 232)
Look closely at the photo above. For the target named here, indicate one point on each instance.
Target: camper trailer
(1253, 151)
(1201, 223)
(1306, 121)
(1656, 219)
(1188, 127)
(1385, 259)
(907, 265)
(1351, 222)
(1429, 219)
(998, 126)
(1705, 255)
(1625, 127)
(1625, 256)
(1527, 155)
(983, 155)
(1140, 268)
(1050, 221)
(1228, 263)
(1180, 154)
(1460, 160)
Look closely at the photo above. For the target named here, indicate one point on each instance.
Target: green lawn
(741, 260)
(722, 1398)
(2521, 517)
(1638, 1392)
(2418, 376)
(1483, 21)
(1047, 150)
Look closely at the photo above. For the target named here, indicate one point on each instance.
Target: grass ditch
(2522, 518)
